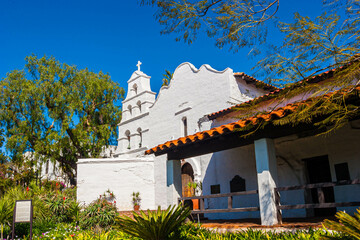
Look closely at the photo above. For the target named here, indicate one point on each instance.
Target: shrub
(62, 205)
(5, 181)
(191, 231)
(99, 214)
(60, 231)
(155, 225)
(69, 232)
(52, 185)
(5, 214)
(49, 208)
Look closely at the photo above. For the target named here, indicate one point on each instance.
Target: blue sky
(111, 36)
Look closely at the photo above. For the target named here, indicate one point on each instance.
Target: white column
(173, 176)
(267, 179)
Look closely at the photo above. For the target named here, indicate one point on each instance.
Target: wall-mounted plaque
(237, 184)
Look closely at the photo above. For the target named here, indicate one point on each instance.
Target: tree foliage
(238, 23)
(3, 158)
(309, 46)
(167, 76)
(58, 112)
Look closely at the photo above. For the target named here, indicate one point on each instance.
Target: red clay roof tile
(258, 84)
(315, 79)
(231, 127)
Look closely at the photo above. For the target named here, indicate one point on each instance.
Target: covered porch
(277, 172)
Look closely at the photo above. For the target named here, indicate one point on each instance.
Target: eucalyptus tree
(58, 112)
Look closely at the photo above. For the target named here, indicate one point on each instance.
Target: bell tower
(135, 109)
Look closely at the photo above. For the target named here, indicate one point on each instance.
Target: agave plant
(347, 225)
(155, 225)
(98, 214)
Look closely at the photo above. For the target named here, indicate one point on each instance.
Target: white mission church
(196, 101)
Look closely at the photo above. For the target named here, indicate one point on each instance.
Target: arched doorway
(187, 175)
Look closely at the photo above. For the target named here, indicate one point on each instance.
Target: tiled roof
(315, 79)
(251, 80)
(232, 127)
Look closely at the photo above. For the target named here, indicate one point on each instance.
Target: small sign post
(23, 212)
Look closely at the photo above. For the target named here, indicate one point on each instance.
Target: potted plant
(196, 190)
(136, 200)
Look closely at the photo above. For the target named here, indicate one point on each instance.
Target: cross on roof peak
(138, 65)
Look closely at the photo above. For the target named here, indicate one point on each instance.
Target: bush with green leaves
(50, 207)
(63, 205)
(60, 231)
(192, 231)
(53, 185)
(347, 225)
(5, 181)
(65, 231)
(187, 231)
(41, 212)
(5, 214)
(100, 214)
(154, 225)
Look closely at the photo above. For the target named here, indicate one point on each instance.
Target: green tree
(3, 158)
(167, 76)
(58, 112)
(310, 45)
(238, 23)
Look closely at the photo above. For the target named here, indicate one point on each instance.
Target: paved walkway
(255, 224)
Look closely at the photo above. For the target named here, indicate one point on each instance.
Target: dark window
(237, 184)
(215, 189)
(185, 126)
(342, 171)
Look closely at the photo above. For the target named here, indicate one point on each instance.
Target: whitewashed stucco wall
(123, 176)
(290, 151)
(192, 93)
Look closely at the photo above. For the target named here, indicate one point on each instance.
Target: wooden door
(187, 175)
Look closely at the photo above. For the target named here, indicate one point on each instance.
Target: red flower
(114, 201)
(27, 188)
(57, 184)
(64, 198)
